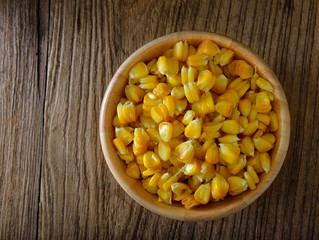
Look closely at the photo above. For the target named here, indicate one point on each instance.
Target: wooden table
(56, 59)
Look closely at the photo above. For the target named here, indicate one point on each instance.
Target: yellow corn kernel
(152, 161)
(162, 89)
(270, 95)
(192, 167)
(165, 130)
(174, 81)
(264, 118)
(126, 112)
(134, 93)
(236, 167)
(191, 92)
(253, 113)
(262, 127)
(129, 156)
(265, 161)
(139, 109)
(191, 50)
(225, 108)
(142, 169)
(149, 82)
(262, 102)
(140, 142)
(189, 202)
(178, 92)
(172, 170)
(235, 115)
(188, 74)
(237, 185)
(273, 126)
(198, 178)
(173, 159)
(211, 129)
(124, 134)
(147, 122)
(168, 65)
(151, 99)
(169, 102)
(259, 133)
(198, 150)
(173, 179)
(262, 145)
(221, 84)
(120, 145)
(149, 172)
(229, 95)
(208, 48)
(251, 95)
(181, 51)
(220, 187)
(253, 174)
(240, 68)
(185, 152)
(229, 152)
(248, 145)
(154, 134)
(152, 189)
(212, 154)
(214, 68)
(207, 144)
(231, 127)
(138, 71)
(228, 139)
(116, 121)
(207, 103)
(207, 168)
(269, 137)
(194, 129)
(197, 61)
(218, 56)
(165, 196)
(133, 171)
(188, 117)
(235, 83)
(163, 179)
(242, 88)
(251, 129)
(167, 165)
(245, 106)
(243, 121)
(202, 194)
(159, 113)
(263, 84)
(164, 150)
(206, 80)
(151, 66)
(226, 57)
(174, 142)
(169, 53)
(255, 162)
(250, 181)
(180, 190)
(154, 179)
(196, 107)
(178, 128)
(253, 79)
(180, 106)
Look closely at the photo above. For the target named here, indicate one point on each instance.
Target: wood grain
(56, 59)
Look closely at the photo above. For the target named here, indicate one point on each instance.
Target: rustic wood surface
(56, 59)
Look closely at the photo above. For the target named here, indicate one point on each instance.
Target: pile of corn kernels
(196, 125)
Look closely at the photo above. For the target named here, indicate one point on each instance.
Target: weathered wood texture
(56, 59)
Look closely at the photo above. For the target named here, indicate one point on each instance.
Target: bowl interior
(133, 187)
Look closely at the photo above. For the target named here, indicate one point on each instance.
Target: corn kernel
(169, 102)
(269, 137)
(251, 129)
(152, 189)
(202, 194)
(138, 71)
(236, 167)
(235, 83)
(178, 92)
(253, 84)
(168, 66)
(273, 126)
(248, 145)
(265, 161)
(218, 56)
(207, 144)
(194, 129)
(140, 142)
(243, 121)
(235, 115)
(231, 127)
(174, 81)
(262, 102)
(154, 179)
(225, 108)
(166, 131)
(255, 162)
(206, 80)
(173, 179)
(220, 187)
(207, 103)
(149, 82)
(174, 142)
(129, 156)
(188, 75)
(124, 134)
(159, 113)
(191, 92)
(152, 161)
(229, 152)
(208, 48)
(192, 167)
(126, 112)
(245, 106)
(197, 61)
(133, 171)
(240, 68)
(180, 190)
(226, 57)
(253, 174)
(164, 150)
(181, 51)
(250, 181)
(221, 84)
(228, 139)
(162, 89)
(134, 93)
(189, 202)
(185, 152)
(263, 84)
(191, 50)
(212, 154)
(188, 117)
(120, 145)
(264, 118)
(223, 171)
(180, 106)
(237, 185)
(165, 196)
(207, 168)
(229, 95)
(196, 107)
(178, 128)
(169, 53)
(262, 145)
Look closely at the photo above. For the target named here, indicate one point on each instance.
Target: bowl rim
(198, 214)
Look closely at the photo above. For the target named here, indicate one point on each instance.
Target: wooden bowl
(133, 187)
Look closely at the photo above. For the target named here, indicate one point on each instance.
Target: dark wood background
(56, 59)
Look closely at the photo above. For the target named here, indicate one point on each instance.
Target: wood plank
(88, 42)
(21, 117)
